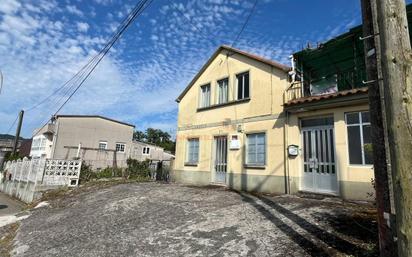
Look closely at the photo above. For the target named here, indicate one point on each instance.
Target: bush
(110, 172)
(86, 173)
(137, 169)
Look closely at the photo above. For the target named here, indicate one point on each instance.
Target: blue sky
(44, 42)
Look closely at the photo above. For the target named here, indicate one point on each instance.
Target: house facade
(230, 123)
(146, 151)
(99, 141)
(255, 125)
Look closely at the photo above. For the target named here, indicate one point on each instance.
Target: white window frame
(205, 102)
(360, 126)
(247, 161)
(103, 143)
(218, 85)
(146, 150)
(190, 160)
(243, 85)
(120, 147)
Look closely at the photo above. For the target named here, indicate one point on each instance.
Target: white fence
(24, 178)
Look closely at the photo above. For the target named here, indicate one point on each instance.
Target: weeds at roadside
(8, 233)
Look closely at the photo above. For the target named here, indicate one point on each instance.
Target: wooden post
(387, 245)
(16, 139)
(396, 63)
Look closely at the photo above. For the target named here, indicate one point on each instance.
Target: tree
(139, 135)
(157, 137)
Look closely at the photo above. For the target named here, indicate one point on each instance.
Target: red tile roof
(308, 99)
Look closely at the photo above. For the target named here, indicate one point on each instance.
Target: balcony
(338, 85)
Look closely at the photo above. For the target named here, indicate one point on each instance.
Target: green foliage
(110, 172)
(86, 173)
(156, 137)
(139, 135)
(136, 169)
(12, 157)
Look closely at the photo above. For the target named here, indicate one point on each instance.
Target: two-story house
(99, 141)
(256, 125)
(231, 123)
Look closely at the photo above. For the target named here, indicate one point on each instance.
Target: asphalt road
(9, 206)
(150, 219)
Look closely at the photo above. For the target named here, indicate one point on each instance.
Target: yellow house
(244, 123)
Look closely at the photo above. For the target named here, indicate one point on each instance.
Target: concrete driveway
(149, 219)
(9, 206)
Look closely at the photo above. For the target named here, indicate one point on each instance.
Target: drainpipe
(285, 153)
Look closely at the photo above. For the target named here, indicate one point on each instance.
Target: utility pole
(16, 139)
(387, 246)
(396, 63)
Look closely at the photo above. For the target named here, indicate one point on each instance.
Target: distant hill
(7, 136)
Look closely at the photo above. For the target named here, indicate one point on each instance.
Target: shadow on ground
(352, 234)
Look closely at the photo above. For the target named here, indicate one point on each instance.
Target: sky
(43, 43)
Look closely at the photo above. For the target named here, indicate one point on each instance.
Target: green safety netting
(339, 60)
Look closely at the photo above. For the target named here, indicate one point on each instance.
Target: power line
(132, 16)
(12, 125)
(90, 67)
(245, 23)
(81, 72)
(1, 81)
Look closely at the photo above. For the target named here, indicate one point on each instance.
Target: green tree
(157, 137)
(139, 135)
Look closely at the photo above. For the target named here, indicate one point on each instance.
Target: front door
(319, 166)
(220, 159)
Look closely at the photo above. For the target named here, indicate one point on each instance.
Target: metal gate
(319, 165)
(220, 160)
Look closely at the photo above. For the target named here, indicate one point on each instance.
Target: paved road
(150, 219)
(9, 206)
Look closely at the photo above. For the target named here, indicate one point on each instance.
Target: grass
(63, 192)
(6, 241)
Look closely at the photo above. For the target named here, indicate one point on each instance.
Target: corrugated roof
(362, 90)
(94, 116)
(274, 64)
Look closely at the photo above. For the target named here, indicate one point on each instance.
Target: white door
(319, 165)
(220, 160)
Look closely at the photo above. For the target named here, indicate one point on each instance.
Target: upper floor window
(256, 149)
(242, 85)
(120, 147)
(359, 138)
(205, 96)
(222, 89)
(102, 145)
(146, 150)
(192, 156)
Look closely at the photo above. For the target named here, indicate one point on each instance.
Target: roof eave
(279, 66)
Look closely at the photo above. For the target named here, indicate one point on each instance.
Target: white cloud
(140, 78)
(9, 6)
(82, 26)
(74, 10)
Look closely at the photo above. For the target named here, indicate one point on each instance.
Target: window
(192, 151)
(205, 96)
(359, 138)
(222, 89)
(146, 150)
(256, 149)
(102, 145)
(120, 147)
(242, 85)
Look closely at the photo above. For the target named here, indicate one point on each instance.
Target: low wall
(26, 179)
